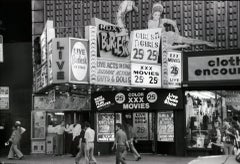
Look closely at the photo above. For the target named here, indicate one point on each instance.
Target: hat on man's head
(157, 7)
(17, 123)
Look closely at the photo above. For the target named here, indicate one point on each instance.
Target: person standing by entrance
(131, 138)
(120, 143)
(15, 140)
(89, 137)
(81, 146)
(60, 129)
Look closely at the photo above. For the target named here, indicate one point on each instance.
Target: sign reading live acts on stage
(221, 67)
(137, 100)
(145, 75)
(145, 45)
(70, 60)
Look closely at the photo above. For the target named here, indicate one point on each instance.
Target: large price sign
(146, 75)
(145, 45)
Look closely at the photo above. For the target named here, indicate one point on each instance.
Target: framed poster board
(38, 125)
(4, 98)
(165, 127)
(105, 127)
(140, 124)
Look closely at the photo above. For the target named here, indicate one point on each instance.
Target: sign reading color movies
(204, 68)
(146, 75)
(145, 45)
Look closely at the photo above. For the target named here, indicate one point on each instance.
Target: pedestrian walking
(89, 137)
(228, 137)
(81, 146)
(60, 129)
(131, 137)
(215, 139)
(120, 144)
(15, 140)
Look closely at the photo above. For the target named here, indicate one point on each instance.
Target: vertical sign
(165, 126)
(105, 127)
(140, 124)
(1, 48)
(4, 97)
(91, 35)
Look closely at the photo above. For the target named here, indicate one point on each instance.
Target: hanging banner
(145, 45)
(105, 127)
(145, 75)
(140, 124)
(171, 69)
(165, 127)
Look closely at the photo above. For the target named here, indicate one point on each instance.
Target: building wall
(214, 21)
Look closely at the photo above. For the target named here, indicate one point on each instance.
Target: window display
(203, 108)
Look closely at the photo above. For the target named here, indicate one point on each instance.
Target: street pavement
(109, 159)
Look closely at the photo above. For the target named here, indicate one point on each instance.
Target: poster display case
(105, 127)
(165, 127)
(38, 125)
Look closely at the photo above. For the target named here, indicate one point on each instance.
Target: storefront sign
(171, 69)
(145, 75)
(47, 35)
(105, 127)
(165, 127)
(91, 35)
(41, 78)
(4, 98)
(145, 45)
(137, 100)
(112, 44)
(113, 73)
(78, 57)
(70, 60)
(140, 124)
(207, 68)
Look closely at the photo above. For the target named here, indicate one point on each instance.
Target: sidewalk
(66, 159)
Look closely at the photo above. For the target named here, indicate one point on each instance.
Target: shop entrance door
(143, 128)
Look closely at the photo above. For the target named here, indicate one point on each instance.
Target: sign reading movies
(224, 67)
(145, 45)
(136, 100)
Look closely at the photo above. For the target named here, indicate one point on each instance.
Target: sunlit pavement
(67, 159)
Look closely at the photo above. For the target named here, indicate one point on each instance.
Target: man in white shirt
(89, 147)
(75, 129)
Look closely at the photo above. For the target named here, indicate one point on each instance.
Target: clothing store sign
(145, 75)
(137, 100)
(145, 45)
(206, 68)
(4, 98)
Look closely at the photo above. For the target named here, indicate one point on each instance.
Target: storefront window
(205, 107)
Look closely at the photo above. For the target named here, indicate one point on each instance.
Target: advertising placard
(105, 127)
(47, 34)
(171, 69)
(145, 45)
(140, 124)
(78, 57)
(60, 60)
(4, 98)
(38, 124)
(41, 78)
(113, 73)
(145, 75)
(209, 68)
(112, 43)
(165, 127)
(137, 100)
(91, 35)
(50, 60)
